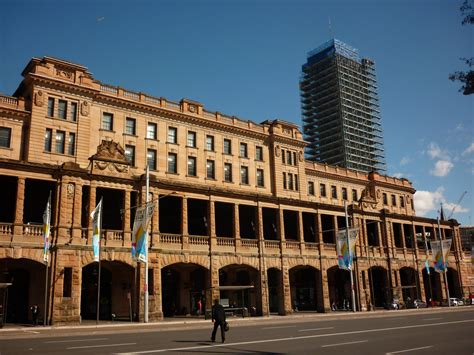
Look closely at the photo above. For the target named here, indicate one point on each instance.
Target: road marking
(309, 330)
(98, 346)
(407, 350)
(286, 326)
(74, 340)
(30, 331)
(433, 318)
(298, 338)
(352, 342)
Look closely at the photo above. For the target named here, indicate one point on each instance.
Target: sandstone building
(237, 205)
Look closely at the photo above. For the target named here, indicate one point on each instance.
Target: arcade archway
(275, 291)
(432, 283)
(305, 288)
(409, 283)
(379, 289)
(339, 282)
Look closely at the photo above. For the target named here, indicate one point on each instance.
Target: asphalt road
(444, 331)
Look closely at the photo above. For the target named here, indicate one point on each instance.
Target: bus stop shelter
(3, 303)
(229, 308)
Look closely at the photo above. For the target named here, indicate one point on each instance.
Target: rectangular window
(260, 179)
(71, 146)
(344, 193)
(67, 283)
(385, 200)
(288, 157)
(227, 172)
(402, 202)
(227, 146)
(322, 190)
(172, 135)
(354, 195)
(172, 166)
(283, 156)
(191, 139)
(130, 154)
(192, 166)
(151, 130)
(258, 153)
(296, 183)
(130, 126)
(333, 192)
(151, 282)
(74, 111)
(294, 158)
(107, 121)
(394, 200)
(50, 107)
(311, 188)
(284, 181)
(210, 171)
(151, 159)
(5, 137)
(48, 139)
(62, 109)
(60, 135)
(243, 150)
(210, 143)
(244, 175)
(290, 181)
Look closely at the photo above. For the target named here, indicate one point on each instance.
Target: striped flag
(96, 216)
(139, 234)
(46, 229)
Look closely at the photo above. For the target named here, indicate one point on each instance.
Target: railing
(225, 242)
(33, 230)
(311, 246)
(108, 88)
(153, 100)
(290, 244)
(115, 235)
(249, 243)
(9, 100)
(131, 95)
(171, 238)
(172, 105)
(6, 229)
(272, 244)
(198, 240)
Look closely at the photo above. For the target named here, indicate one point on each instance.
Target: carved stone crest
(277, 150)
(65, 74)
(301, 156)
(70, 190)
(39, 98)
(192, 108)
(85, 108)
(110, 151)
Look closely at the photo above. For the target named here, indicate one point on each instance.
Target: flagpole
(146, 242)
(98, 281)
(350, 258)
(428, 272)
(48, 211)
(444, 263)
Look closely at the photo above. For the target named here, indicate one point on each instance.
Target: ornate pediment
(110, 159)
(368, 200)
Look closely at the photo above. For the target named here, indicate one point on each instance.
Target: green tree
(466, 77)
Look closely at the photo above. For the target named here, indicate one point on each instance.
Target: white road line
(407, 350)
(30, 331)
(98, 346)
(298, 338)
(286, 326)
(310, 330)
(433, 318)
(72, 340)
(352, 342)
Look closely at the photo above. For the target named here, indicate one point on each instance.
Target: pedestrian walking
(34, 313)
(218, 317)
(199, 304)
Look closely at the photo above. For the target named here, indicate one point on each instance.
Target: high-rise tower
(340, 107)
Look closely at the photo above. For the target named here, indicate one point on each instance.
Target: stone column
(214, 282)
(301, 232)
(184, 223)
(211, 228)
(335, 228)
(157, 304)
(236, 227)
(324, 305)
(379, 238)
(281, 230)
(92, 203)
(287, 306)
(77, 214)
(20, 202)
(127, 235)
(262, 264)
(319, 233)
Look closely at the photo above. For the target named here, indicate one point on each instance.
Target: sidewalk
(172, 323)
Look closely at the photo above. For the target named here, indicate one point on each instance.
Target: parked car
(395, 304)
(417, 303)
(453, 302)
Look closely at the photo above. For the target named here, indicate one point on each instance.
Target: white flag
(96, 216)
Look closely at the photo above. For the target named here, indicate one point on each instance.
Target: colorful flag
(344, 255)
(96, 216)
(440, 254)
(427, 265)
(139, 235)
(46, 229)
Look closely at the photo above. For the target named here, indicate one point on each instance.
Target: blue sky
(244, 58)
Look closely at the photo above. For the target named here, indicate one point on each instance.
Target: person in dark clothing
(34, 314)
(218, 317)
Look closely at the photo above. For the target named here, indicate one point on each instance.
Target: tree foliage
(466, 77)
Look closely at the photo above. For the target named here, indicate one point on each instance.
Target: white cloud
(469, 149)
(442, 168)
(430, 201)
(405, 161)
(435, 152)
(398, 175)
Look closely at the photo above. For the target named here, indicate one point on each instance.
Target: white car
(455, 301)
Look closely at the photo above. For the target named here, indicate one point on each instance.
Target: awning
(231, 288)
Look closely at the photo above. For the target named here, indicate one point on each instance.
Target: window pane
(290, 181)
(259, 153)
(151, 130)
(71, 144)
(74, 111)
(244, 175)
(333, 192)
(151, 159)
(47, 139)
(62, 109)
(107, 121)
(5, 137)
(228, 172)
(260, 181)
(172, 168)
(210, 143)
(311, 188)
(227, 146)
(191, 139)
(130, 154)
(243, 150)
(172, 132)
(130, 126)
(210, 169)
(322, 190)
(50, 107)
(354, 195)
(191, 166)
(402, 202)
(344, 193)
(60, 142)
